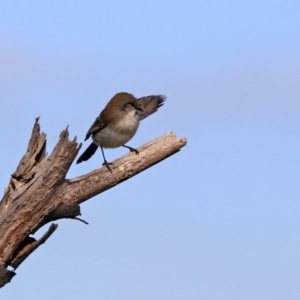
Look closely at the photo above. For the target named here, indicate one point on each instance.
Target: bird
(118, 122)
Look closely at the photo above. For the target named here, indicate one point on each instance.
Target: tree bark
(39, 193)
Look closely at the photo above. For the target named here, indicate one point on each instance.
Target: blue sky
(220, 219)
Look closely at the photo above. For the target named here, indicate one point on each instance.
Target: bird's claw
(107, 165)
(133, 150)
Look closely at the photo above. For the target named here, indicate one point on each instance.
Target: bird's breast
(116, 135)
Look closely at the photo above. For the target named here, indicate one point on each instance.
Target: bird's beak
(140, 113)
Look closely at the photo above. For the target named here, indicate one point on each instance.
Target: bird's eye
(131, 105)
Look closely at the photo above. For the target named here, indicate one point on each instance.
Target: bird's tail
(88, 153)
(150, 104)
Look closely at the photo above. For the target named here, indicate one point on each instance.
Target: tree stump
(38, 192)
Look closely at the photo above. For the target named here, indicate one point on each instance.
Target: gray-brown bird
(118, 122)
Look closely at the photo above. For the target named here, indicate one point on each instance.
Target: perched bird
(118, 123)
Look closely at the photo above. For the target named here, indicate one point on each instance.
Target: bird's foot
(131, 149)
(107, 165)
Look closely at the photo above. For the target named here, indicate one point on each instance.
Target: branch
(5, 276)
(82, 188)
(39, 193)
(31, 244)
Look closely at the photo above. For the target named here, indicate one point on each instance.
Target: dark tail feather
(150, 104)
(88, 153)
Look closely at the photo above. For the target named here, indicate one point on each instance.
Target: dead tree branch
(39, 193)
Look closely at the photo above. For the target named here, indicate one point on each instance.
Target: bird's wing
(150, 104)
(96, 126)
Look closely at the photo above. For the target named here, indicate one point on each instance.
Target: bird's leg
(106, 164)
(131, 149)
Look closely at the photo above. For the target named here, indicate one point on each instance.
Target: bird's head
(123, 105)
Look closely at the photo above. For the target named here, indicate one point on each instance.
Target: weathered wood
(5, 276)
(39, 193)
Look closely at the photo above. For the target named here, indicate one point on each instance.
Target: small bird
(118, 123)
